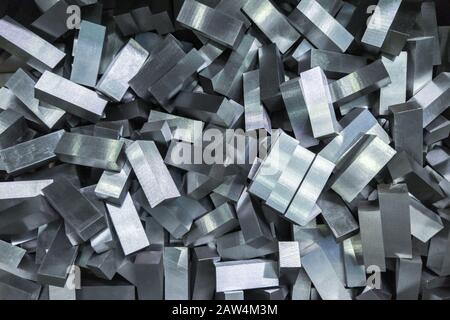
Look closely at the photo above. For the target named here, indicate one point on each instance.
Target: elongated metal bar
(113, 186)
(151, 172)
(337, 216)
(437, 130)
(429, 26)
(301, 208)
(125, 65)
(22, 85)
(91, 151)
(174, 80)
(10, 256)
(22, 189)
(297, 111)
(394, 209)
(355, 273)
(13, 287)
(277, 29)
(318, 102)
(408, 274)
(19, 41)
(395, 93)
(12, 128)
(176, 273)
(30, 154)
(420, 64)
(322, 274)
(359, 83)
(204, 273)
(9, 101)
(302, 286)
(425, 224)
(69, 96)
(380, 24)
(256, 116)
(315, 23)
(128, 226)
(364, 165)
(271, 74)
(211, 23)
(84, 217)
(245, 274)
(406, 118)
(88, 54)
(433, 98)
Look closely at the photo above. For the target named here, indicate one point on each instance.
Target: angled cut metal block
(204, 273)
(176, 273)
(256, 116)
(408, 274)
(13, 287)
(211, 23)
(91, 151)
(12, 128)
(69, 96)
(425, 224)
(271, 73)
(420, 64)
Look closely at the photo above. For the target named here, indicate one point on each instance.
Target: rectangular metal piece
(276, 28)
(125, 65)
(176, 273)
(246, 274)
(271, 74)
(30, 154)
(406, 123)
(113, 186)
(69, 96)
(316, 94)
(355, 273)
(22, 85)
(425, 224)
(10, 256)
(319, 27)
(13, 287)
(380, 23)
(256, 116)
(211, 23)
(75, 208)
(22, 189)
(433, 98)
(337, 216)
(360, 83)
(371, 235)
(301, 208)
(19, 41)
(395, 93)
(128, 226)
(151, 172)
(420, 64)
(88, 54)
(408, 273)
(429, 26)
(323, 275)
(297, 111)
(12, 128)
(91, 151)
(394, 208)
(362, 166)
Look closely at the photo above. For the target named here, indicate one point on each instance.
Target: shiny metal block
(420, 64)
(176, 273)
(12, 128)
(256, 116)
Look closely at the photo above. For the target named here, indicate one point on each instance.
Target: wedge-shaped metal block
(337, 216)
(394, 208)
(425, 224)
(20, 41)
(297, 111)
(177, 78)
(439, 159)
(437, 130)
(301, 210)
(318, 102)
(212, 225)
(128, 226)
(16, 288)
(433, 98)
(360, 83)
(91, 151)
(162, 59)
(204, 273)
(334, 64)
(256, 116)
(406, 122)
(394, 93)
(355, 123)
(53, 22)
(22, 85)
(56, 264)
(10, 255)
(420, 64)
(277, 29)
(151, 172)
(113, 186)
(408, 274)
(320, 270)
(319, 27)
(176, 273)
(9, 101)
(125, 65)
(12, 128)
(245, 274)
(380, 24)
(211, 23)
(30, 154)
(370, 157)
(88, 54)
(208, 108)
(22, 189)
(69, 96)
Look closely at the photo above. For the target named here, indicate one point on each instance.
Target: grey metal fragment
(176, 273)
